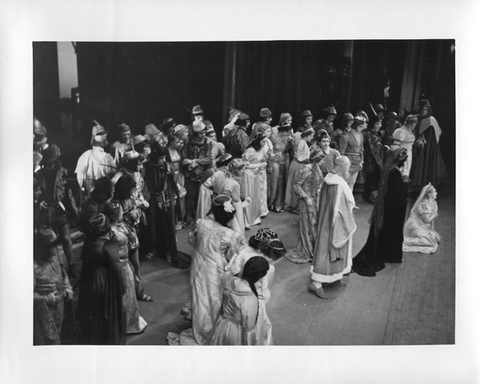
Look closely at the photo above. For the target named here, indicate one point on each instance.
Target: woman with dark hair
(126, 241)
(373, 158)
(215, 244)
(339, 133)
(301, 157)
(51, 288)
(272, 249)
(279, 160)
(255, 180)
(240, 307)
(161, 214)
(321, 154)
(101, 286)
(384, 243)
(132, 215)
(428, 165)
(174, 163)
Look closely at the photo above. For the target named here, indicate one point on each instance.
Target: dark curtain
(287, 76)
(140, 83)
(46, 88)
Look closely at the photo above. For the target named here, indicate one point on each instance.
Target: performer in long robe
(332, 255)
(254, 181)
(384, 243)
(428, 165)
(419, 233)
(240, 307)
(301, 157)
(215, 244)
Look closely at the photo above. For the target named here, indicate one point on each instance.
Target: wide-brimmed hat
(265, 112)
(123, 128)
(197, 110)
(347, 117)
(330, 110)
(151, 130)
(363, 113)
(306, 113)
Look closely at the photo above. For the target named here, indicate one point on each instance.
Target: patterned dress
(50, 277)
(300, 159)
(307, 187)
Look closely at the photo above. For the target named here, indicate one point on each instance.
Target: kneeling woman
(240, 307)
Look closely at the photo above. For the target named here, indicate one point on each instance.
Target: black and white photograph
(295, 201)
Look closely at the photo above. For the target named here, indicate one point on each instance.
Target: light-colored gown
(236, 322)
(300, 159)
(214, 246)
(255, 185)
(307, 187)
(263, 328)
(135, 322)
(419, 233)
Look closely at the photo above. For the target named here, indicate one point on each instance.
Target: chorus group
(126, 200)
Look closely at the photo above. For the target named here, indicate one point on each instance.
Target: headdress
(224, 159)
(225, 201)
(98, 224)
(305, 114)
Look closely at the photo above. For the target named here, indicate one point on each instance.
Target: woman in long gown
(419, 233)
(384, 243)
(51, 288)
(240, 307)
(255, 180)
(215, 244)
(279, 161)
(301, 157)
(126, 241)
(373, 160)
(428, 165)
(101, 286)
(272, 249)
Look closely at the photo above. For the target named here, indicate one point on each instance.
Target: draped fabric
(101, 289)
